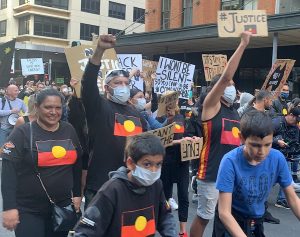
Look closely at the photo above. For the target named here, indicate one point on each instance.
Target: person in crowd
(262, 102)
(245, 99)
(110, 120)
(40, 86)
(132, 202)
(294, 103)
(286, 136)
(241, 173)
(280, 105)
(30, 115)
(220, 122)
(56, 154)
(11, 106)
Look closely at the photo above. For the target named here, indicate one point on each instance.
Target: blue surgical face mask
(145, 177)
(141, 103)
(120, 94)
(284, 95)
(229, 94)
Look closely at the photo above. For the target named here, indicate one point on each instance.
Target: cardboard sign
(233, 23)
(32, 66)
(191, 150)
(167, 100)
(213, 65)
(278, 75)
(149, 68)
(78, 57)
(166, 134)
(173, 75)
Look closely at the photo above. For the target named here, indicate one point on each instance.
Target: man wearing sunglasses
(110, 120)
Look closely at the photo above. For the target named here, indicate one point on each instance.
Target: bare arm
(211, 104)
(293, 200)
(224, 208)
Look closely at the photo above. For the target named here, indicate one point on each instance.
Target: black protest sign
(213, 64)
(191, 149)
(166, 134)
(278, 75)
(6, 55)
(173, 75)
(233, 23)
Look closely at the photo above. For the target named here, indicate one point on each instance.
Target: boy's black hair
(142, 145)
(256, 123)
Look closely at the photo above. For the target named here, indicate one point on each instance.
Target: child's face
(152, 163)
(257, 149)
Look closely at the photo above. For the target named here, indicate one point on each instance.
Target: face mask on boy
(145, 177)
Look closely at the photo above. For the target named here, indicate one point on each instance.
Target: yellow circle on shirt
(129, 126)
(58, 152)
(235, 132)
(140, 223)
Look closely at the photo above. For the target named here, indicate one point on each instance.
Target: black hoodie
(122, 208)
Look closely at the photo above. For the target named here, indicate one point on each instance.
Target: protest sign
(232, 23)
(149, 68)
(32, 66)
(167, 100)
(130, 61)
(173, 75)
(78, 57)
(191, 149)
(278, 76)
(166, 134)
(213, 65)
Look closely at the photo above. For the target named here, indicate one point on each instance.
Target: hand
(77, 203)
(10, 219)
(281, 143)
(15, 111)
(73, 82)
(245, 38)
(106, 42)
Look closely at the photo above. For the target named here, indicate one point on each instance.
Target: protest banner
(32, 66)
(232, 23)
(191, 150)
(278, 76)
(173, 75)
(149, 68)
(167, 100)
(213, 65)
(166, 134)
(78, 57)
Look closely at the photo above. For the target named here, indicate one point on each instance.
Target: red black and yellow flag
(179, 128)
(230, 132)
(56, 152)
(127, 125)
(138, 223)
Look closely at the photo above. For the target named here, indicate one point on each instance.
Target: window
(166, 6)
(187, 12)
(50, 27)
(87, 30)
(115, 31)
(24, 25)
(139, 15)
(91, 6)
(2, 28)
(21, 2)
(232, 4)
(117, 10)
(62, 4)
(287, 6)
(3, 4)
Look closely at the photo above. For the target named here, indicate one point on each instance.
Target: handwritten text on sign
(31, 66)
(173, 75)
(233, 23)
(166, 134)
(130, 61)
(213, 64)
(168, 100)
(191, 149)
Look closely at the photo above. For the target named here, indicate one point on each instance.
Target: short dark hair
(43, 94)
(256, 123)
(262, 94)
(142, 145)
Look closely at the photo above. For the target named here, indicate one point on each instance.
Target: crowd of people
(58, 149)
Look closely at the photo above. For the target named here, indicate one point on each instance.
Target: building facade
(43, 28)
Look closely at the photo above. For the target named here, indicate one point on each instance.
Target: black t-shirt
(57, 157)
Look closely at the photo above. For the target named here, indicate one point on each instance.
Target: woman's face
(139, 95)
(50, 110)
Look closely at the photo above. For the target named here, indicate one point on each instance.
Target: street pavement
(289, 225)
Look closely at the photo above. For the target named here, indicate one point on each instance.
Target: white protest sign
(173, 75)
(31, 66)
(213, 64)
(130, 61)
(232, 23)
(166, 134)
(191, 149)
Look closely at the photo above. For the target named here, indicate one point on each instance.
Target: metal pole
(49, 69)
(275, 37)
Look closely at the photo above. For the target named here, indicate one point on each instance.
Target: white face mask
(121, 94)
(229, 94)
(141, 103)
(145, 177)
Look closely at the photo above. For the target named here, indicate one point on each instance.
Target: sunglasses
(117, 73)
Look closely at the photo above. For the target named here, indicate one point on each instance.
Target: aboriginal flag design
(138, 223)
(179, 128)
(127, 125)
(251, 28)
(230, 132)
(56, 153)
